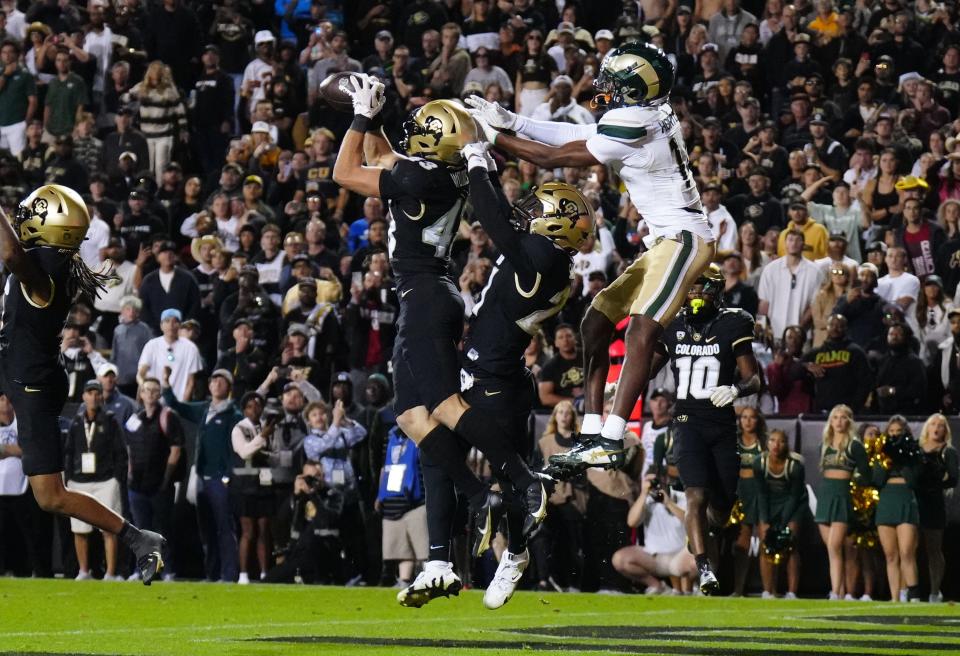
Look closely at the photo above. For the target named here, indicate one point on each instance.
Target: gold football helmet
(558, 211)
(438, 131)
(53, 215)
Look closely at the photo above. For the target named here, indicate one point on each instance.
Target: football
(334, 91)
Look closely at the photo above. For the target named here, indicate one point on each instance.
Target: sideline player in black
(40, 250)
(711, 355)
(426, 191)
(530, 283)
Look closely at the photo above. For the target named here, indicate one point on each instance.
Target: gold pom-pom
(736, 514)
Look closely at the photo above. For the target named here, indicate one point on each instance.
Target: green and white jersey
(644, 146)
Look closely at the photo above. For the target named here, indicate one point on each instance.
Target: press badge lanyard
(88, 459)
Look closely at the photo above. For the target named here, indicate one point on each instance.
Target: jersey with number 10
(644, 146)
(703, 356)
(425, 200)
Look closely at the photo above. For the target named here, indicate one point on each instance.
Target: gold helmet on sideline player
(53, 215)
(438, 130)
(558, 211)
(711, 284)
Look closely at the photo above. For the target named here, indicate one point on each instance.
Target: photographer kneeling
(664, 554)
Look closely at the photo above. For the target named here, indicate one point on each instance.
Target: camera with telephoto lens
(656, 490)
(272, 411)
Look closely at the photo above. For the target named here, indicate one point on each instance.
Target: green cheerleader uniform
(781, 498)
(747, 487)
(833, 498)
(898, 502)
(938, 472)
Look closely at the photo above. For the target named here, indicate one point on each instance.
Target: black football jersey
(30, 335)
(507, 315)
(704, 356)
(425, 201)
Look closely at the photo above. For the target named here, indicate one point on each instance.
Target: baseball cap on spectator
(222, 373)
(838, 236)
(684, 9)
(342, 377)
(562, 79)
(110, 368)
(605, 34)
(126, 110)
(712, 122)
(92, 384)
(137, 194)
(384, 35)
(797, 204)
(709, 47)
(293, 238)
(819, 119)
(171, 313)
(253, 179)
(260, 126)
(129, 155)
(874, 247)
(597, 275)
(768, 125)
(650, 31)
(871, 267)
(166, 245)
(712, 186)
(211, 48)
(63, 139)
(884, 117)
(911, 75)
(933, 279)
(263, 36)
(660, 391)
(473, 86)
(885, 59)
(297, 329)
(565, 28)
(801, 37)
(192, 324)
(308, 282)
(243, 321)
(953, 312)
(232, 166)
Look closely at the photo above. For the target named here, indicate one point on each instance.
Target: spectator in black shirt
(96, 463)
(125, 139)
(759, 206)
(798, 69)
(736, 293)
(173, 37)
(901, 382)
(839, 369)
(245, 361)
(561, 378)
(749, 125)
(827, 152)
(251, 302)
(64, 168)
(907, 54)
(213, 113)
(155, 441)
(137, 226)
(170, 286)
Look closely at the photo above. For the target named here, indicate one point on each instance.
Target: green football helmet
(634, 74)
(710, 297)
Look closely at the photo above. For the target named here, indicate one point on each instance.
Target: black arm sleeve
(493, 212)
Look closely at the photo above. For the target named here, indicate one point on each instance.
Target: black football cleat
(592, 451)
(149, 553)
(535, 502)
(709, 585)
(486, 517)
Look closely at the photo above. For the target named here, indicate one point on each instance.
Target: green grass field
(91, 617)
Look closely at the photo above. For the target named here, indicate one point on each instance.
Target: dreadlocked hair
(85, 281)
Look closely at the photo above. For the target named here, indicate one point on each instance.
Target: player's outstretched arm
(34, 281)
(573, 153)
(349, 171)
(493, 210)
(552, 133)
(377, 150)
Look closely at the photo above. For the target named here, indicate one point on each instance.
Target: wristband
(361, 123)
(742, 387)
(376, 122)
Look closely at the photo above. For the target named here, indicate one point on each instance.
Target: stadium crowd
(236, 372)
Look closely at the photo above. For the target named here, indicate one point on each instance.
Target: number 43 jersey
(704, 356)
(425, 200)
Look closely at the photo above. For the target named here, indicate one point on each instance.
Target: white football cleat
(504, 583)
(436, 580)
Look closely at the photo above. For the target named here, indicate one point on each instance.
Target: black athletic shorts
(509, 402)
(426, 366)
(706, 453)
(38, 407)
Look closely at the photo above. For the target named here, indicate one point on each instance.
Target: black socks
(129, 534)
(702, 561)
(484, 434)
(441, 504)
(442, 450)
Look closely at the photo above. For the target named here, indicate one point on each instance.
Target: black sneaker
(149, 552)
(486, 517)
(535, 502)
(592, 451)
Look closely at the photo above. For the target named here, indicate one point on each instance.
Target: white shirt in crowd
(789, 293)
(570, 113)
(648, 438)
(663, 532)
(13, 482)
(183, 358)
(890, 287)
(98, 235)
(826, 262)
(724, 228)
(118, 287)
(586, 263)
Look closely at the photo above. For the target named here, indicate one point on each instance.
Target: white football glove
(475, 155)
(487, 133)
(723, 395)
(495, 115)
(367, 95)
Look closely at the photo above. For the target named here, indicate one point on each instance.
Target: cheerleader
(750, 444)
(938, 472)
(861, 555)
